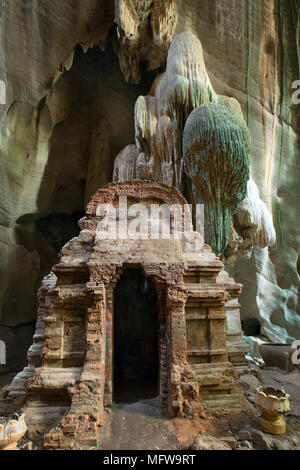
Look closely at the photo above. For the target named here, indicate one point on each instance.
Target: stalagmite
(188, 84)
(145, 131)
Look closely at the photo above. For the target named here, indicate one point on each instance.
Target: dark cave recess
(136, 360)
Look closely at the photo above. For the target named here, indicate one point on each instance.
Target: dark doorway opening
(136, 362)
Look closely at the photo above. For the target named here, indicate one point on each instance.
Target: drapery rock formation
(160, 117)
(254, 222)
(166, 126)
(55, 152)
(145, 30)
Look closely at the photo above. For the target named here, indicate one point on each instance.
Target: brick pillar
(80, 425)
(176, 347)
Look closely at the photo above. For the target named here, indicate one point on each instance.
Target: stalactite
(160, 118)
(145, 30)
(188, 87)
(215, 148)
(217, 134)
(125, 164)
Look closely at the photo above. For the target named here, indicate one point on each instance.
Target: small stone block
(70, 429)
(231, 441)
(88, 442)
(245, 436)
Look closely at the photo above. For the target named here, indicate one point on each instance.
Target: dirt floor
(144, 425)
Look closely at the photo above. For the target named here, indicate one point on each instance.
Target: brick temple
(122, 320)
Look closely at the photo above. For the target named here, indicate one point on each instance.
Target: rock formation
(183, 122)
(160, 117)
(253, 221)
(125, 164)
(145, 29)
(216, 159)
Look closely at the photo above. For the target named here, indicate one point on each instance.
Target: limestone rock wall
(251, 50)
(60, 131)
(38, 39)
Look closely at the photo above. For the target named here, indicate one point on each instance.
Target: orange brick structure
(70, 377)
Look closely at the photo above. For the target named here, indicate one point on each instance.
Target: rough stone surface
(206, 442)
(263, 441)
(230, 441)
(250, 384)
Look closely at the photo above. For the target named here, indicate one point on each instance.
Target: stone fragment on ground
(230, 441)
(264, 441)
(245, 436)
(206, 442)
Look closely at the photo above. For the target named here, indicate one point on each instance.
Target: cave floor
(145, 426)
(138, 426)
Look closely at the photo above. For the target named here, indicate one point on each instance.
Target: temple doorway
(136, 357)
